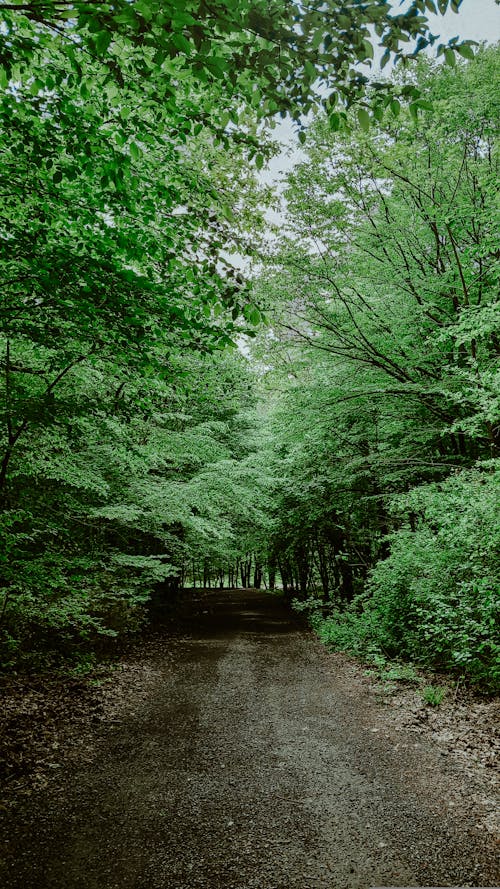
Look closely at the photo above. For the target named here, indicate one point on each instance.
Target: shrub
(435, 599)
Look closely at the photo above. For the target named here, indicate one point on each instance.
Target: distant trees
(386, 346)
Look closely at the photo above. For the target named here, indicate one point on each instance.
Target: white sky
(477, 20)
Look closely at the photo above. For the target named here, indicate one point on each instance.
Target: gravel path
(250, 764)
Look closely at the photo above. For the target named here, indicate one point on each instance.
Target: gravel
(239, 754)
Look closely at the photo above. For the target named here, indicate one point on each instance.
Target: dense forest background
(192, 399)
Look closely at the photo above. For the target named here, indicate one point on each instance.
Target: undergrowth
(357, 630)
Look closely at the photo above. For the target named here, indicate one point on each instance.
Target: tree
(127, 191)
(269, 56)
(115, 262)
(383, 293)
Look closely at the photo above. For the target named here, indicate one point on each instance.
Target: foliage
(383, 289)
(436, 597)
(399, 673)
(433, 695)
(120, 214)
(135, 458)
(267, 56)
(349, 629)
(119, 498)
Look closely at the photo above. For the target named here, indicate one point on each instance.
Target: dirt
(238, 753)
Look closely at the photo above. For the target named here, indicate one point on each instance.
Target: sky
(477, 20)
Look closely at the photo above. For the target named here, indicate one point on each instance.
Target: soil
(237, 753)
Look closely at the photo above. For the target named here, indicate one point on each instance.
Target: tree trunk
(257, 576)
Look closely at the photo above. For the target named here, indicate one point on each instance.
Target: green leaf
(216, 65)
(102, 41)
(310, 70)
(134, 151)
(334, 121)
(385, 58)
(364, 119)
(368, 49)
(36, 86)
(465, 51)
(424, 104)
(318, 38)
(181, 43)
(259, 161)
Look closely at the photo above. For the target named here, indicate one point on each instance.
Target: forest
(195, 396)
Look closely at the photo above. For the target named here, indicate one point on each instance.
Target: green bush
(348, 630)
(57, 607)
(435, 599)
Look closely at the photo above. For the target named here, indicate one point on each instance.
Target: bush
(349, 630)
(57, 607)
(435, 599)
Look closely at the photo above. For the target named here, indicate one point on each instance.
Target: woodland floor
(236, 753)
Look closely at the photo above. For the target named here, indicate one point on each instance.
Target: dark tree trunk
(271, 570)
(257, 576)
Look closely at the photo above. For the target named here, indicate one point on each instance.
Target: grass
(433, 695)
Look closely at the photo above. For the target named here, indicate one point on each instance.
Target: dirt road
(251, 765)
